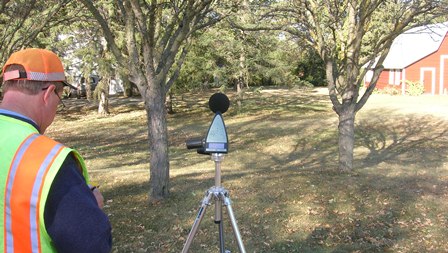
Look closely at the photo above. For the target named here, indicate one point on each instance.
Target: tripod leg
(234, 225)
(197, 221)
(218, 220)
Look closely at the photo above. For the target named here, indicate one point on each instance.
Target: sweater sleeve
(72, 216)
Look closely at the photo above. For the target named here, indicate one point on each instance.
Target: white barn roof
(414, 45)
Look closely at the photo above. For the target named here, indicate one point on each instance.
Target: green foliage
(222, 54)
(202, 66)
(275, 62)
(414, 88)
(33, 24)
(311, 69)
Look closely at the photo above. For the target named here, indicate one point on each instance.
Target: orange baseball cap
(39, 64)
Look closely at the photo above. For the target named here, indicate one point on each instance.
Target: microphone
(219, 102)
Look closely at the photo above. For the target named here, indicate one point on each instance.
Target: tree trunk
(103, 107)
(103, 96)
(241, 80)
(239, 93)
(127, 88)
(346, 129)
(158, 143)
(169, 103)
(88, 86)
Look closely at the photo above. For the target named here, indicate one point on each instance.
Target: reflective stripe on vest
(24, 184)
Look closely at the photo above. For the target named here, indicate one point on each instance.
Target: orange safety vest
(27, 169)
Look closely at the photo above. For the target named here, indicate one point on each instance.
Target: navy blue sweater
(73, 219)
(72, 216)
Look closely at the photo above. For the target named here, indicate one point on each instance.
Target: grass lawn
(281, 173)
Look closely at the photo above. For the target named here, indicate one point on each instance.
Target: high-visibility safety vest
(29, 163)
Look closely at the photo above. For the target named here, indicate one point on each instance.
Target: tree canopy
(33, 23)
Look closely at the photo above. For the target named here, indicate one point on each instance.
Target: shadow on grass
(405, 140)
(281, 174)
(285, 210)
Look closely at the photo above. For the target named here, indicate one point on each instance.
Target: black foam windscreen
(219, 102)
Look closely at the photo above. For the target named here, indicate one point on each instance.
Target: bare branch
(106, 31)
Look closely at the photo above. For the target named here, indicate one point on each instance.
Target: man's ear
(48, 93)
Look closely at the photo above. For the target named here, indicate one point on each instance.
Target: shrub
(414, 88)
(388, 90)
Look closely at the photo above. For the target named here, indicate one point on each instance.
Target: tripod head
(216, 139)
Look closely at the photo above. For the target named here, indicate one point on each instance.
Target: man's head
(33, 80)
(32, 67)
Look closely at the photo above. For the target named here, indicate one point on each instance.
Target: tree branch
(106, 31)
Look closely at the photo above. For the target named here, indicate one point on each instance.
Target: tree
(223, 56)
(157, 37)
(84, 51)
(106, 71)
(102, 94)
(29, 23)
(350, 36)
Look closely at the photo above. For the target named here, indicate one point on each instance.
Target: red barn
(418, 55)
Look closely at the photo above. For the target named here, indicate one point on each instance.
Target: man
(46, 202)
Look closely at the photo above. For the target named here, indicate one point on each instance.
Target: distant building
(418, 55)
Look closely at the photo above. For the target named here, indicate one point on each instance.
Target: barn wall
(388, 79)
(383, 80)
(429, 69)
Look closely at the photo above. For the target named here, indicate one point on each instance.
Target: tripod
(221, 197)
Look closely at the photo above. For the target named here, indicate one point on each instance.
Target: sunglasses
(60, 99)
